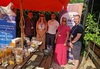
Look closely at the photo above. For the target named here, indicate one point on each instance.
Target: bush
(92, 31)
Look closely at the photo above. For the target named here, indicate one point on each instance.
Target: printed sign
(7, 25)
(72, 9)
(7, 32)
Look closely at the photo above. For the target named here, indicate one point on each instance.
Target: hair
(44, 19)
(77, 16)
(53, 13)
(42, 15)
(29, 12)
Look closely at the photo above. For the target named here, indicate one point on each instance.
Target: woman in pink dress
(60, 54)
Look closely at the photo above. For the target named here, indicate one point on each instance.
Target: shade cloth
(38, 5)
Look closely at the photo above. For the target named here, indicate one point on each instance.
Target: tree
(76, 1)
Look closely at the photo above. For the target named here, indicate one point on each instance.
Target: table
(40, 61)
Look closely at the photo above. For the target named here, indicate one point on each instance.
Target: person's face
(53, 16)
(41, 16)
(64, 21)
(76, 20)
(30, 15)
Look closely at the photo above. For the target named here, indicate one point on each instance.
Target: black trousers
(50, 40)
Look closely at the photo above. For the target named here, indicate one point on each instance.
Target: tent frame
(22, 25)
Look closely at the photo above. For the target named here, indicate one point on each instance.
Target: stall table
(30, 63)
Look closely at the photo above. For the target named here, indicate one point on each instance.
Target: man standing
(76, 40)
(52, 27)
(29, 25)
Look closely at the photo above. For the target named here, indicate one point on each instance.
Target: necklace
(31, 22)
(61, 29)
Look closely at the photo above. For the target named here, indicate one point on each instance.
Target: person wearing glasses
(41, 28)
(61, 43)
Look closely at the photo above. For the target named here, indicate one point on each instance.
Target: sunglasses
(63, 20)
(41, 16)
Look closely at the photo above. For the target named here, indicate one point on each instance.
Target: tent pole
(21, 23)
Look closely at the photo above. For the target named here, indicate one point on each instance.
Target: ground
(85, 64)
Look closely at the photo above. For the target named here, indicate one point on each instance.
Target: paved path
(85, 64)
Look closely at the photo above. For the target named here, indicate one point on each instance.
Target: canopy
(39, 5)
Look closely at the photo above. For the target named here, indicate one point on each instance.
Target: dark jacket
(29, 24)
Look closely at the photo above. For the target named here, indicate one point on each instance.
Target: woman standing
(41, 28)
(60, 55)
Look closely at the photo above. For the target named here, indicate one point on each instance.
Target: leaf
(92, 31)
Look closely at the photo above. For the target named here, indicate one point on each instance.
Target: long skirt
(60, 54)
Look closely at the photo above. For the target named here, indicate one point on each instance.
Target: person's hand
(42, 35)
(55, 41)
(71, 45)
(39, 35)
(64, 44)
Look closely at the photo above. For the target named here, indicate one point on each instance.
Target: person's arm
(66, 38)
(79, 33)
(45, 28)
(38, 35)
(58, 24)
(76, 38)
(37, 27)
(56, 36)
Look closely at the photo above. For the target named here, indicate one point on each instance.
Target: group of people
(45, 31)
(55, 36)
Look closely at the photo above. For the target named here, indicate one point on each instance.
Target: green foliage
(92, 31)
(76, 1)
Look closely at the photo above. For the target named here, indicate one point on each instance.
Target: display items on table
(19, 58)
(11, 60)
(27, 52)
(26, 41)
(35, 43)
(5, 55)
(18, 53)
(1, 55)
(14, 54)
(15, 42)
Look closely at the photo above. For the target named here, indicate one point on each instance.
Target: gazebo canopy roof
(38, 5)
